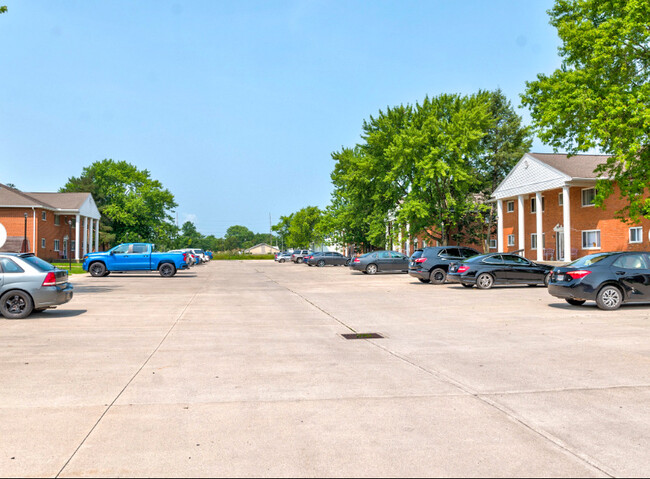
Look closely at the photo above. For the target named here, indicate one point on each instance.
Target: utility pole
(270, 232)
(24, 248)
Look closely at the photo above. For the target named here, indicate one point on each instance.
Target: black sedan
(610, 279)
(487, 270)
(378, 261)
(327, 258)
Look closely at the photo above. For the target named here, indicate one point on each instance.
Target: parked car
(283, 257)
(134, 257)
(199, 255)
(610, 279)
(190, 259)
(298, 254)
(28, 284)
(380, 261)
(487, 270)
(430, 265)
(327, 258)
(307, 257)
(210, 254)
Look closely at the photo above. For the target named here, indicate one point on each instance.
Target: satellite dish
(3, 235)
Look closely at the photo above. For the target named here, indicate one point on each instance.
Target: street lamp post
(70, 245)
(24, 248)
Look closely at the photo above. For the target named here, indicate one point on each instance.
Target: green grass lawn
(76, 267)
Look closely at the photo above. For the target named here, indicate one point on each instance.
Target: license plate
(560, 277)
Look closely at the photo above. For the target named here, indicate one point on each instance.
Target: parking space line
(180, 316)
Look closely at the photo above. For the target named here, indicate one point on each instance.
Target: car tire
(281, 261)
(167, 270)
(575, 302)
(438, 276)
(97, 269)
(465, 285)
(426, 281)
(16, 304)
(347, 262)
(484, 281)
(372, 268)
(609, 298)
(320, 263)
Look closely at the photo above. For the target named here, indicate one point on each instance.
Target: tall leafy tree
(303, 230)
(134, 207)
(237, 237)
(600, 97)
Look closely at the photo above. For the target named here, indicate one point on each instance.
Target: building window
(591, 239)
(72, 245)
(511, 240)
(44, 216)
(43, 243)
(56, 245)
(493, 244)
(533, 240)
(589, 197)
(510, 206)
(560, 199)
(57, 220)
(636, 234)
(533, 205)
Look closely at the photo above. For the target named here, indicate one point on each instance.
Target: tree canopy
(600, 97)
(134, 207)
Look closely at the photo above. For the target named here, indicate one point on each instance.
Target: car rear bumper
(52, 295)
(459, 278)
(572, 291)
(419, 273)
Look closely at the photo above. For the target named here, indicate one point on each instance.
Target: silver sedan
(28, 284)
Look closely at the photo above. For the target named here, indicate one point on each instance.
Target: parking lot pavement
(239, 369)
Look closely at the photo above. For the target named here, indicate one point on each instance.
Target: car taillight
(420, 260)
(357, 260)
(462, 268)
(50, 280)
(185, 257)
(578, 274)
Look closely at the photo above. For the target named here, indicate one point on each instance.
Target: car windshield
(39, 264)
(589, 260)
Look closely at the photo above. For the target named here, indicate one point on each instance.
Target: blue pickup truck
(134, 257)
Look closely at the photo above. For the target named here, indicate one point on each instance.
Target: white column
(538, 208)
(566, 210)
(97, 235)
(500, 225)
(77, 230)
(90, 235)
(400, 239)
(520, 224)
(387, 236)
(408, 240)
(85, 239)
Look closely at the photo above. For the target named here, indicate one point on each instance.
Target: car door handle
(620, 273)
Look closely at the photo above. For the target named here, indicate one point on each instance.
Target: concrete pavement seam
(180, 316)
(466, 389)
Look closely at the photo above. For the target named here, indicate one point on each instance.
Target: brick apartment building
(552, 196)
(43, 219)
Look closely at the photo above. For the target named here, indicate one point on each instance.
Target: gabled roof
(579, 166)
(547, 171)
(79, 202)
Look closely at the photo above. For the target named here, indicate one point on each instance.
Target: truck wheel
(16, 304)
(167, 270)
(97, 269)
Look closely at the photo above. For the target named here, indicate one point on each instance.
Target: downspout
(33, 230)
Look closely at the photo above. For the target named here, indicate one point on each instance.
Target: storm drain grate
(363, 336)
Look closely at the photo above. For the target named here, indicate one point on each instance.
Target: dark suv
(430, 265)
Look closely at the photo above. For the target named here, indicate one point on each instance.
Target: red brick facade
(40, 231)
(614, 233)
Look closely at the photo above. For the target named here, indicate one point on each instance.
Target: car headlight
(85, 257)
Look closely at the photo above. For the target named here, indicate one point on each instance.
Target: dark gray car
(379, 261)
(28, 283)
(328, 258)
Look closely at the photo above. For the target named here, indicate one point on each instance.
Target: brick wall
(614, 234)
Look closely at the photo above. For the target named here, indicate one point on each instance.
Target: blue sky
(236, 106)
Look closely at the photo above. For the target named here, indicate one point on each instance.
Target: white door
(559, 244)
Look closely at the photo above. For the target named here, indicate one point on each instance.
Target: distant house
(262, 248)
(42, 220)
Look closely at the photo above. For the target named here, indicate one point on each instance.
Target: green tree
(282, 228)
(189, 237)
(134, 207)
(600, 97)
(303, 228)
(237, 236)
(3, 9)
